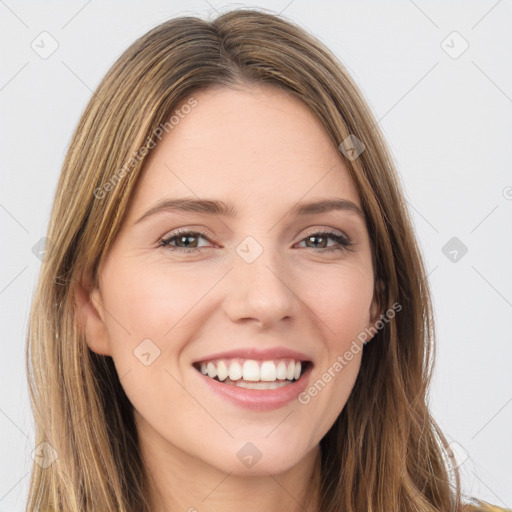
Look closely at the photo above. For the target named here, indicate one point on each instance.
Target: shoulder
(482, 506)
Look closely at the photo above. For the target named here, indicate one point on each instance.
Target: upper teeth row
(251, 370)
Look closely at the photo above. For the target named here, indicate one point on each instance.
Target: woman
(234, 311)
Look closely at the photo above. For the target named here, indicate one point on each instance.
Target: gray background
(448, 120)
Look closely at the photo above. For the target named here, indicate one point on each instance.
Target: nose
(261, 291)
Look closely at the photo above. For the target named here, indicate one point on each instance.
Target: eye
(183, 237)
(342, 242)
(180, 241)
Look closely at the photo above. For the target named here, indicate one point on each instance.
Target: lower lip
(259, 399)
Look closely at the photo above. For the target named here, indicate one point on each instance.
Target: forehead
(255, 145)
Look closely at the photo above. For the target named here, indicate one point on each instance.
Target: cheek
(341, 302)
(152, 303)
(342, 298)
(147, 318)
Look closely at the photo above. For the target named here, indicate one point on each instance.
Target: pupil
(183, 238)
(316, 237)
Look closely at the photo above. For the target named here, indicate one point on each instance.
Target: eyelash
(343, 243)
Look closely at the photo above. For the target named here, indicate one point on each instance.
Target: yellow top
(483, 506)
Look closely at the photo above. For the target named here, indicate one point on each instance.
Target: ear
(90, 316)
(376, 309)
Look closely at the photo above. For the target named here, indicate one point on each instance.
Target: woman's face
(260, 289)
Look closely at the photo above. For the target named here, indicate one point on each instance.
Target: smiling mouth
(254, 374)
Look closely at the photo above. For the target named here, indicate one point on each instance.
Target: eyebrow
(214, 207)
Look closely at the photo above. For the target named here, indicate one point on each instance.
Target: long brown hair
(384, 452)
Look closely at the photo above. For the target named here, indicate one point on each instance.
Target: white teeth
(268, 371)
(235, 371)
(212, 370)
(290, 372)
(297, 370)
(251, 370)
(260, 385)
(281, 370)
(222, 371)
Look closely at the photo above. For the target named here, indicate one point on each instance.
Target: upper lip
(259, 354)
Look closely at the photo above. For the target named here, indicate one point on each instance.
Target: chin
(258, 457)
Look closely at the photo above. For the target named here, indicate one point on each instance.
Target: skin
(264, 151)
